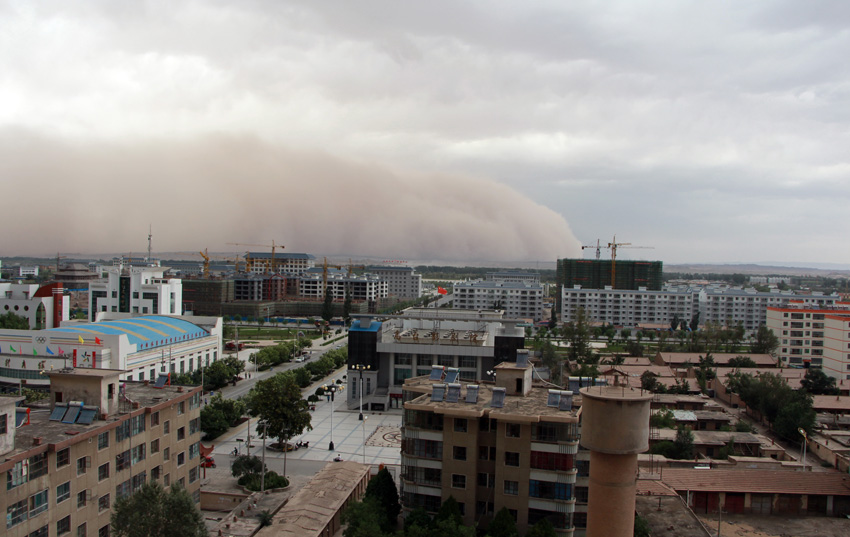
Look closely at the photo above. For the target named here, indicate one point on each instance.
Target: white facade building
(368, 287)
(513, 276)
(402, 282)
(517, 300)
(293, 263)
(135, 290)
(626, 307)
(144, 347)
(817, 337)
(43, 306)
(729, 306)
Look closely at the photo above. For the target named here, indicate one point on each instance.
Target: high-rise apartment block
(519, 300)
(96, 440)
(402, 282)
(813, 336)
(596, 274)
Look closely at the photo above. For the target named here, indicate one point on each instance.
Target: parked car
(231, 346)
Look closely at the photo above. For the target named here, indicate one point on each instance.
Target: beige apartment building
(491, 445)
(96, 439)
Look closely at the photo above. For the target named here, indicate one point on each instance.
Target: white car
(300, 359)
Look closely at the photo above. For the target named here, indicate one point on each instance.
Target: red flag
(442, 291)
(97, 340)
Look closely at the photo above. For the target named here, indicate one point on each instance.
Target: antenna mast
(148, 260)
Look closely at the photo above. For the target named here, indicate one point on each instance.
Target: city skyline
(451, 131)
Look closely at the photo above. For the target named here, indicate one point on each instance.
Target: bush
(320, 391)
(313, 399)
(253, 482)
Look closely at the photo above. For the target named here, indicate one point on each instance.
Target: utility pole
(263, 477)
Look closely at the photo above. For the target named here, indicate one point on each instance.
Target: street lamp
(331, 443)
(805, 441)
(361, 367)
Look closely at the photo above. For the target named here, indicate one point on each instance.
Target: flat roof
(278, 255)
(145, 331)
(757, 481)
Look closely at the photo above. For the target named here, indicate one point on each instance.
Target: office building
(139, 290)
(507, 444)
(402, 282)
(95, 440)
(384, 353)
(519, 300)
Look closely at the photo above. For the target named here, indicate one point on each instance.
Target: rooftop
(278, 255)
(145, 331)
(757, 481)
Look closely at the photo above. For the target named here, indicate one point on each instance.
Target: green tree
(543, 528)
(277, 401)
(417, 517)
(328, 306)
(649, 382)
(246, 464)
(796, 413)
(684, 443)
(154, 512)
(219, 415)
(362, 519)
(503, 525)
(663, 419)
(10, 321)
(742, 362)
(578, 334)
(382, 488)
(765, 341)
(449, 510)
(816, 382)
(641, 526)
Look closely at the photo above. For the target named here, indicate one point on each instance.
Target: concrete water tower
(615, 428)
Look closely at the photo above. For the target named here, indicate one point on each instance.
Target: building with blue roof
(144, 347)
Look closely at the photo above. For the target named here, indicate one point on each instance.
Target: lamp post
(263, 477)
(331, 444)
(361, 367)
(805, 441)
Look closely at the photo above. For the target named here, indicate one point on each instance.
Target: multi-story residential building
(94, 441)
(514, 276)
(596, 274)
(295, 263)
(142, 347)
(362, 287)
(730, 306)
(507, 444)
(382, 354)
(519, 300)
(28, 271)
(623, 307)
(255, 287)
(43, 306)
(206, 297)
(137, 290)
(813, 336)
(402, 282)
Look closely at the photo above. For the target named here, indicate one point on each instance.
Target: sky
(456, 131)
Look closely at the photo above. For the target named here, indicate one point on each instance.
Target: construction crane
(613, 246)
(206, 256)
(60, 256)
(598, 248)
(272, 265)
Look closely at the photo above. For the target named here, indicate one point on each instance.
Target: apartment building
(514, 276)
(596, 274)
(629, 308)
(142, 347)
(730, 306)
(491, 446)
(402, 282)
(384, 354)
(813, 336)
(519, 300)
(362, 287)
(295, 263)
(66, 462)
(137, 290)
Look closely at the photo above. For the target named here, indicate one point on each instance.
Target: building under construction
(597, 273)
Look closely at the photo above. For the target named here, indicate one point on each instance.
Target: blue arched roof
(147, 331)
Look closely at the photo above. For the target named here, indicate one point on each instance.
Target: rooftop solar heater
(522, 358)
(566, 402)
(472, 393)
(454, 393)
(58, 411)
(87, 415)
(498, 400)
(600, 382)
(554, 398)
(436, 372)
(451, 375)
(72, 413)
(438, 393)
(160, 381)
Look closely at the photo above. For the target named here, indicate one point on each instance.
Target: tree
(796, 413)
(816, 382)
(503, 525)
(742, 362)
(154, 512)
(683, 445)
(578, 334)
(649, 381)
(246, 464)
(641, 526)
(362, 519)
(543, 528)
(694, 322)
(382, 488)
(417, 517)
(219, 415)
(346, 306)
(277, 401)
(765, 341)
(11, 321)
(328, 306)
(449, 510)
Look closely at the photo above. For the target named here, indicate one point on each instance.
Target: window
(166, 481)
(63, 457)
(81, 530)
(103, 440)
(581, 494)
(64, 526)
(458, 481)
(166, 427)
(137, 425)
(82, 464)
(38, 503)
(122, 461)
(103, 471)
(155, 415)
(122, 431)
(81, 499)
(166, 454)
(459, 453)
(16, 513)
(549, 490)
(181, 458)
(460, 425)
(486, 480)
(542, 460)
(103, 531)
(63, 492)
(137, 454)
(511, 458)
(181, 433)
(194, 450)
(122, 490)
(193, 474)
(155, 446)
(181, 408)
(512, 487)
(194, 426)
(40, 532)
(156, 472)
(103, 503)
(512, 430)
(139, 480)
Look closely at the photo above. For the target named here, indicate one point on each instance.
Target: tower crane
(598, 248)
(613, 246)
(272, 265)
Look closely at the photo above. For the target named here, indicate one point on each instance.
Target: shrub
(313, 399)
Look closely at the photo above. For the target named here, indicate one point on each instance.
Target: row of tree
(215, 376)
(768, 394)
(279, 354)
